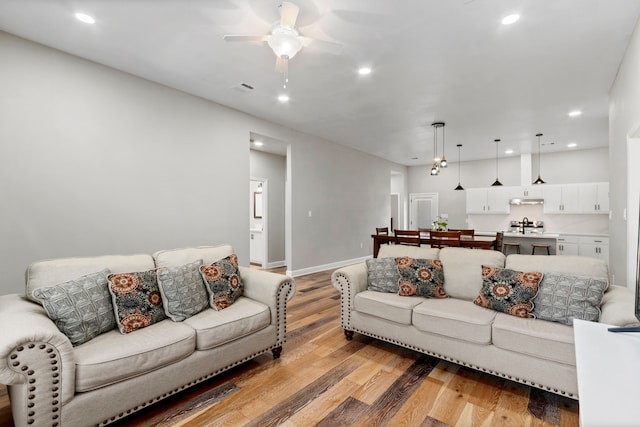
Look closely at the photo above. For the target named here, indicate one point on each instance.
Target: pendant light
(459, 187)
(497, 181)
(435, 168)
(539, 180)
(443, 162)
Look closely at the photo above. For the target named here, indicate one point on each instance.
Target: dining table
(474, 242)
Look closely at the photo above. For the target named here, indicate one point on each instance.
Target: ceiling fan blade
(288, 14)
(245, 38)
(322, 45)
(282, 65)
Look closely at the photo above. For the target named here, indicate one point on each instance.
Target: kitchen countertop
(532, 235)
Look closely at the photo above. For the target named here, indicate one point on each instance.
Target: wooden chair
(382, 230)
(407, 237)
(441, 239)
(465, 231)
(498, 244)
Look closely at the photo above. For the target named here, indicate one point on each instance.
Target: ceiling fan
(285, 39)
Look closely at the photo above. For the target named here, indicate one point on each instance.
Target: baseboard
(276, 264)
(325, 267)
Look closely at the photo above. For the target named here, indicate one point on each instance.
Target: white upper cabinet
(530, 191)
(492, 200)
(561, 198)
(594, 197)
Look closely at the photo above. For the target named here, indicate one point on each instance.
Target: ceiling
(432, 60)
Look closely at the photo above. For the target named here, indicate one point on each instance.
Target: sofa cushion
(564, 297)
(137, 301)
(183, 291)
(454, 318)
(113, 357)
(533, 337)
(214, 328)
(394, 251)
(223, 282)
(177, 257)
(463, 270)
(578, 265)
(81, 308)
(423, 277)
(382, 275)
(52, 272)
(386, 306)
(508, 291)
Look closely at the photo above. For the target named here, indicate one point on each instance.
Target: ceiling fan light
(285, 42)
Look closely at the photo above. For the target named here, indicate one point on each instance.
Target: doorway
(423, 210)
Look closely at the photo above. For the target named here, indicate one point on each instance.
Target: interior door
(423, 210)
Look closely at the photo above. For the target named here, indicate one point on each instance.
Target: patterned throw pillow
(423, 277)
(183, 291)
(224, 284)
(382, 275)
(81, 308)
(562, 298)
(508, 291)
(136, 300)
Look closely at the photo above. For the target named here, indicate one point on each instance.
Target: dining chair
(464, 231)
(407, 237)
(441, 239)
(498, 244)
(382, 230)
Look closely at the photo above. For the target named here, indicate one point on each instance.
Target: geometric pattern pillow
(382, 275)
(136, 300)
(81, 308)
(508, 291)
(423, 277)
(562, 298)
(183, 291)
(223, 281)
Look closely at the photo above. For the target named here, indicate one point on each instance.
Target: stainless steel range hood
(525, 201)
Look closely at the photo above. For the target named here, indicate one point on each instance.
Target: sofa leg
(348, 334)
(276, 352)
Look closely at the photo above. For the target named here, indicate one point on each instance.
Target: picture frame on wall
(257, 204)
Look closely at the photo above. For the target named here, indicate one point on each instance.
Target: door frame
(265, 220)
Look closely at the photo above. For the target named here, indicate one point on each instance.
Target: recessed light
(83, 17)
(258, 143)
(572, 145)
(508, 152)
(510, 19)
(364, 71)
(575, 113)
(283, 98)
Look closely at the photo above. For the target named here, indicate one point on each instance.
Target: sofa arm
(273, 290)
(618, 307)
(349, 281)
(36, 362)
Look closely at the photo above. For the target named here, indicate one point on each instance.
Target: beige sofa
(52, 383)
(535, 352)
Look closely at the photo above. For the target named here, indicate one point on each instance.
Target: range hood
(526, 201)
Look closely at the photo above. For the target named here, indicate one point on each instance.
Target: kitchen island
(527, 239)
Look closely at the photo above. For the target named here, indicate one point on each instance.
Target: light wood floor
(324, 380)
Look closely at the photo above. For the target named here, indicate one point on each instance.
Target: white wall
(273, 168)
(624, 121)
(95, 161)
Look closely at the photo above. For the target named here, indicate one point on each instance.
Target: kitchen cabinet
(530, 191)
(493, 200)
(561, 198)
(594, 247)
(567, 245)
(594, 197)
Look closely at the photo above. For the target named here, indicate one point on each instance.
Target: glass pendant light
(459, 187)
(497, 181)
(539, 180)
(443, 161)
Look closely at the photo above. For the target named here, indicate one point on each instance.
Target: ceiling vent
(243, 87)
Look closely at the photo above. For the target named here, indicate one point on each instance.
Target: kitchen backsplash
(553, 223)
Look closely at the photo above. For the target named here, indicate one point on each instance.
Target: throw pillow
(423, 277)
(224, 284)
(562, 298)
(382, 275)
(508, 291)
(136, 300)
(182, 289)
(81, 308)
